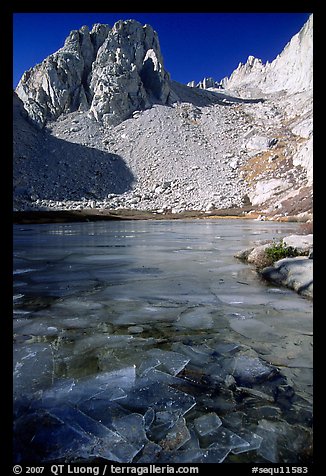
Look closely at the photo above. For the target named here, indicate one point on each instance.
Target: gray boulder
(295, 273)
(302, 243)
(259, 257)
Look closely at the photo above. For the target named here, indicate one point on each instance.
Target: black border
(7, 11)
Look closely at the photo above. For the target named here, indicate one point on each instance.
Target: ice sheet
(207, 424)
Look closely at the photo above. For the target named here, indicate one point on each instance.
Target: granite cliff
(291, 71)
(100, 124)
(108, 72)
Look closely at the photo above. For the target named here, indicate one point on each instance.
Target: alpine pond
(147, 341)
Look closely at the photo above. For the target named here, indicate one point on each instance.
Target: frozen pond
(147, 341)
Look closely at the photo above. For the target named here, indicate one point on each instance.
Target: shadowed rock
(295, 273)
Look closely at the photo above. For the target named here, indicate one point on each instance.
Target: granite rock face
(289, 77)
(109, 71)
(291, 71)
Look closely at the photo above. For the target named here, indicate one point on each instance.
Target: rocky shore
(61, 214)
(294, 272)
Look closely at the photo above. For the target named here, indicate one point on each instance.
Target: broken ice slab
(283, 442)
(193, 376)
(244, 300)
(221, 401)
(257, 394)
(226, 348)
(233, 421)
(197, 318)
(148, 364)
(193, 442)
(226, 438)
(197, 354)
(120, 341)
(213, 454)
(163, 422)
(177, 436)
(254, 329)
(36, 327)
(149, 453)
(131, 428)
(268, 448)
(301, 414)
(211, 432)
(18, 313)
(41, 436)
(272, 433)
(158, 396)
(216, 372)
(114, 384)
(58, 393)
(17, 297)
(171, 361)
(32, 368)
(249, 370)
(99, 341)
(59, 283)
(80, 306)
(209, 455)
(253, 439)
(154, 375)
(102, 410)
(149, 417)
(23, 270)
(123, 378)
(207, 424)
(271, 412)
(110, 445)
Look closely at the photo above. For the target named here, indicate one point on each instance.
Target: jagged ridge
(290, 71)
(109, 71)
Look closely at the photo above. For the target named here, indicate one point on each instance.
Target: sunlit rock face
(291, 71)
(110, 71)
(288, 79)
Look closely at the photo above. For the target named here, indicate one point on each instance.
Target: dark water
(149, 342)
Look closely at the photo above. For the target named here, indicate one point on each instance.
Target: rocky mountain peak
(109, 71)
(291, 71)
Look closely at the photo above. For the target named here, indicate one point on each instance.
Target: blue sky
(194, 45)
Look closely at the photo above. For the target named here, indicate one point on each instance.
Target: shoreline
(91, 214)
